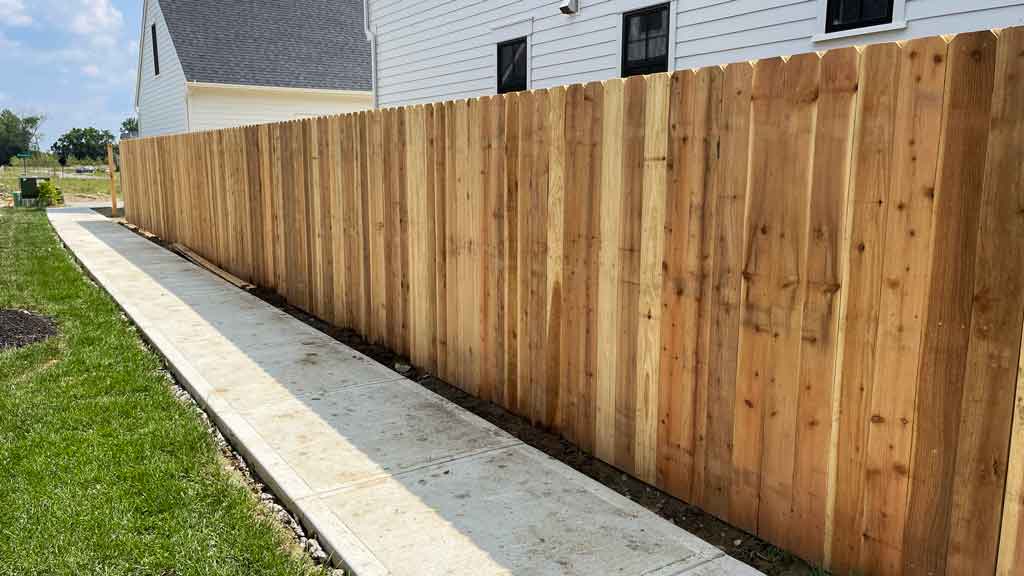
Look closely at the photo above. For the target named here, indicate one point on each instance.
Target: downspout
(188, 107)
(373, 50)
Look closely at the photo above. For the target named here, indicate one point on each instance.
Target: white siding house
(205, 65)
(160, 100)
(429, 50)
(212, 106)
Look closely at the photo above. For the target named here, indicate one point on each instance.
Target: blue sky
(73, 61)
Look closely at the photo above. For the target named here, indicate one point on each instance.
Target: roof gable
(316, 44)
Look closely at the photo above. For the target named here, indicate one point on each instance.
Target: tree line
(19, 134)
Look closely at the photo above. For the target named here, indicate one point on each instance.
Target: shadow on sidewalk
(419, 472)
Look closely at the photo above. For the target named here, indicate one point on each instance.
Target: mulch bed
(20, 328)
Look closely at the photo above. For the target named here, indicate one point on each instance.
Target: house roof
(317, 44)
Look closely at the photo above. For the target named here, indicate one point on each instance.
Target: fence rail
(790, 292)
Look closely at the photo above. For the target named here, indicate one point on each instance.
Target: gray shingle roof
(288, 43)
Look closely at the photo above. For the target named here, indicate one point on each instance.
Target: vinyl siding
(738, 30)
(430, 50)
(162, 107)
(222, 107)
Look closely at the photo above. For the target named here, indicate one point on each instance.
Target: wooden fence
(790, 292)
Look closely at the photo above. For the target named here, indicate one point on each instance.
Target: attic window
(852, 14)
(156, 51)
(512, 66)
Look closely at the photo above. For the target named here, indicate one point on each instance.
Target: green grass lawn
(80, 188)
(102, 470)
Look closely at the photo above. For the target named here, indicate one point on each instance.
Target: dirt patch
(20, 328)
(735, 542)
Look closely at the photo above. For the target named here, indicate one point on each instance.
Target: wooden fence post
(113, 180)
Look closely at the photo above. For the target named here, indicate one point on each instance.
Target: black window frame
(156, 50)
(832, 7)
(649, 65)
(519, 86)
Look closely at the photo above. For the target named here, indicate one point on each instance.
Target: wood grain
(730, 189)
(1005, 144)
(651, 271)
(945, 350)
(870, 183)
(902, 297)
(634, 107)
(990, 379)
(829, 187)
(768, 104)
(610, 269)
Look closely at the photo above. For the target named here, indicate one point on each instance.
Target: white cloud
(97, 20)
(93, 32)
(75, 64)
(12, 13)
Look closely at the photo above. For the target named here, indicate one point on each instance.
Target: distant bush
(49, 194)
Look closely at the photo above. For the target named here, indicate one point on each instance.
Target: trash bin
(30, 186)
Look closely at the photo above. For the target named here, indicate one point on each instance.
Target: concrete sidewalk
(392, 478)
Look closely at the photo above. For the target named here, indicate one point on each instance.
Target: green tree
(17, 134)
(130, 127)
(82, 143)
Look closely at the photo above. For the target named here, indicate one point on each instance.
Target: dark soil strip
(20, 328)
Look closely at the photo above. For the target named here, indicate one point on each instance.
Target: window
(851, 14)
(645, 41)
(156, 51)
(512, 66)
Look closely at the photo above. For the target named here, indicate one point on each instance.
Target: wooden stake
(113, 181)
(203, 262)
